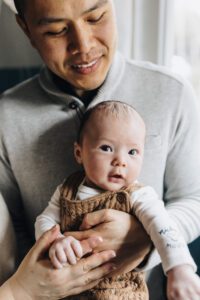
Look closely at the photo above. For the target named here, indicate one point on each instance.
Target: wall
(18, 60)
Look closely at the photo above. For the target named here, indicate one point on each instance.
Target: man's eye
(95, 20)
(106, 148)
(56, 33)
(133, 152)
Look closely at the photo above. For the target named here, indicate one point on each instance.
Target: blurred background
(165, 32)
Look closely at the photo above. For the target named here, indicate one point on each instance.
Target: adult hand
(37, 279)
(121, 232)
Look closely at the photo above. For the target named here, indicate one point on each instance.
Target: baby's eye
(133, 152)
(106, 148)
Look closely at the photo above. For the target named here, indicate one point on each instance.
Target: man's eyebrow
(50, 20)
(46, 21)
(98, 4)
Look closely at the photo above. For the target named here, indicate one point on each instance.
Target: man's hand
(37, 279)
(121, 232)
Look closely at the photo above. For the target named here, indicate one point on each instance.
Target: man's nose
(80, 40)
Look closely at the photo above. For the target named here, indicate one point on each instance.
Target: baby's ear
(78, 153)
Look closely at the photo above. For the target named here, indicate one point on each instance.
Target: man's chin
(89, 84)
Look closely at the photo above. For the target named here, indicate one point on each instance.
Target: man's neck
(64, 86)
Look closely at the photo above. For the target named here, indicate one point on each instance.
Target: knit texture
(120, 287)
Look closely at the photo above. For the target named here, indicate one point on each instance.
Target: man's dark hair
(20, 7)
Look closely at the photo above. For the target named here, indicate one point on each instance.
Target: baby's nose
(119, 162)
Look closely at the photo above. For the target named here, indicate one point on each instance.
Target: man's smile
(85, 68)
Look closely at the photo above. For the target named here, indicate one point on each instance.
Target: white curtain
(10, 3)
(145, 29)
(124, 12)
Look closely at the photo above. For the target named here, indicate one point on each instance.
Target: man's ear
(24, 27)
(78, 153)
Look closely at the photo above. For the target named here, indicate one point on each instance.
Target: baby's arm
(50, 216)
(164, 233)
(172, 248)
(64, 249)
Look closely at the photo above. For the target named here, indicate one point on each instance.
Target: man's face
(75, 38)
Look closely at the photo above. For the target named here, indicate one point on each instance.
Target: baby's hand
(183, 284)
(65, 250)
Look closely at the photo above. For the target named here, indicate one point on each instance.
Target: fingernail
(112, 267)
(59, 267)
(99, 239)
(112, 254)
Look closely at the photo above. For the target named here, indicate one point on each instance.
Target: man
(39, 120)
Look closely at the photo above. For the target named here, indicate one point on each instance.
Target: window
(186, 58)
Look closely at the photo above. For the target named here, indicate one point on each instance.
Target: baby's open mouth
(119, 176)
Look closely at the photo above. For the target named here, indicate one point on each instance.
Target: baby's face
(112, 151)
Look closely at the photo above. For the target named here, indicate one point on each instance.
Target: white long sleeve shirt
(150, 211)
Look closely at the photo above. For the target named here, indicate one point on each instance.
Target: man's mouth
(86, 67)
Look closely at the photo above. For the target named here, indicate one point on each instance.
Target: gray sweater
(38, 125)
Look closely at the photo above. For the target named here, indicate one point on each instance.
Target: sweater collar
(103, 93)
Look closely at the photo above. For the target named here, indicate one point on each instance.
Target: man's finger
(95, 218)
(87, 264)
(79, 235)
(92, 278)
(43, 243)
(89, 244)
(87, 239)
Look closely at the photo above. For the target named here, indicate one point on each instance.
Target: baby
(110, 148)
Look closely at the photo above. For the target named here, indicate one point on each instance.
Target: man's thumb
(96, 218)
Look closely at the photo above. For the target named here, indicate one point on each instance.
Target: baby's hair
(107, 108)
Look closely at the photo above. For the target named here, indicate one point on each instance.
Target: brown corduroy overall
(129, 286)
